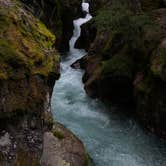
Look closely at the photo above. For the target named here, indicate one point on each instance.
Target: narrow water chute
(111, 138)
(77, 25)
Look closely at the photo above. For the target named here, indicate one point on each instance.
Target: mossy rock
(118, 65)
(48, 119)
(88, 160)
(150, 103)
(58, 134)
(25, 43)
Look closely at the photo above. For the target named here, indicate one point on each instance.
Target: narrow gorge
(112, 139)
(82, 83)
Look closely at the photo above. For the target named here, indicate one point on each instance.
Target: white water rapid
(111, 138)
(77, 25)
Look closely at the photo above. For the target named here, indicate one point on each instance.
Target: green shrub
(121, 20)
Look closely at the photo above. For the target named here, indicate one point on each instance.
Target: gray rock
(51, 155)
(62, 151)
(5, 140)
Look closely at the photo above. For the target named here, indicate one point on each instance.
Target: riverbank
(29, 67)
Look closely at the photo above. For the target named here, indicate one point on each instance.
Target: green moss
(109, 42)
(45, 32)
(141, 86)
(146, 85)
(48, 119)
(25, 44)
(120, 20)
(112, 16)
(118, 65)
(9, 54)
(58, 134)
(130, 39)
(4, 21)
(48, 65)
(88, 160)
(10, 59)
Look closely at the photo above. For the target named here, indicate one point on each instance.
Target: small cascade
(85, 6)
(77, 25)
(111, 138)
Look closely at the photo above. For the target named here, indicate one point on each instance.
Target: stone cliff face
(28, 60)
(58, 16)
(29, 66)
(126, 57)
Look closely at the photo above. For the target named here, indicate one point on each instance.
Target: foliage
(58, 134)
(118, 65)
(121, 20)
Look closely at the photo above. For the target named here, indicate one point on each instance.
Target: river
(111, 138)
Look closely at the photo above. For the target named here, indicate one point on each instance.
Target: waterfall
(85, 6)
(77, 25)
(111, 137)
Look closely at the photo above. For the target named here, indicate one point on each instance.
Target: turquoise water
(111, 138)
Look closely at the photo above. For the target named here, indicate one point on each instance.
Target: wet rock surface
(62, 148)
(58, 16)
(29, 67)
(19, 143)
(121, 73)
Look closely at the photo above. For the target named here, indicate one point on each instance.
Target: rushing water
(111, 138)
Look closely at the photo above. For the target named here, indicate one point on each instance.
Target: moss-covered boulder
(27, 56)
(29, 66)
(50, 13)
(126, 59)
(150, 92)
(123, 42)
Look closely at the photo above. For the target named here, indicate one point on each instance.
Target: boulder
(62, 148)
